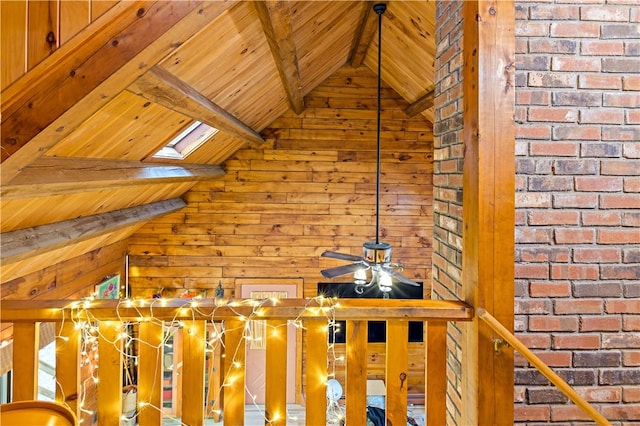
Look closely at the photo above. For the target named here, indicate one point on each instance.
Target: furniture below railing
(97, 326)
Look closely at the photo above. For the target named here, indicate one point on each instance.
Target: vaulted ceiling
(79, 129)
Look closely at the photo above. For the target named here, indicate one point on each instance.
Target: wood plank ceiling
(79, 128)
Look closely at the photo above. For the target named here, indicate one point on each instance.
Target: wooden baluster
(216, 377)
(193, 346)
(68, 365)
(316, 380)
(150, 359)
(356, 386)
(234, 371)
(109, 372)
(26, 344)
(397, 371)
(436, 372)
(276, 373)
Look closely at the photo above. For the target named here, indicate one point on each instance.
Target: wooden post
(26, 344)
(436, 372)
(397, 371)
(109, 373)
(68, 365)
(356, 389)
(276, 373)
(150, 359)
(316, 379)
(488, 206)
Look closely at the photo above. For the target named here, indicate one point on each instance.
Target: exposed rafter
(56, 176)
(160, 86)
(421, 104)
(25, 243)
(84, 75)
(275, 17)
(364, 35)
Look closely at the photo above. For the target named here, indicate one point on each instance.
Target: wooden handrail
(207, 309)
(541, 367)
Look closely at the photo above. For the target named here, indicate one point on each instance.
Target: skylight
(186, 141)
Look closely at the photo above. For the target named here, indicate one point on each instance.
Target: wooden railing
(102, 321)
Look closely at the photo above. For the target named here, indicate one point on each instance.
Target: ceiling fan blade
(341, 256)
(395, 275)
(341, 270)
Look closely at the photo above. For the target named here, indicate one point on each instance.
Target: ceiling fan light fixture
(376, 255)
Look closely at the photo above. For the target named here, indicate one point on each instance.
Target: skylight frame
(187, 141)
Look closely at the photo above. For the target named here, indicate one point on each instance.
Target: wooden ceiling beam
(275, 16)
(49, 176)
(25, 243)
(160, 86)
(64, 90)
(366, 30)
(421, 104)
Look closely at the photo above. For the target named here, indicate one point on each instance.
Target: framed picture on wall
(109, 288)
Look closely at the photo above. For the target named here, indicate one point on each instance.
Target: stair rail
(541, 366)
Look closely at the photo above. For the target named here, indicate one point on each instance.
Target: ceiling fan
(374, 266)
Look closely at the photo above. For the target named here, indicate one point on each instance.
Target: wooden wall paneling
(489, 210)
(43, 37)
(109, 374)
(192, 398)
(99, 7)
(316, 338)
(234, 373)
(356, 372)
(26, 344)
(150, 363)
(74, 16)
(65, 279)
(276, 373)
(397, 371)
(36, 263)
(13, 41)
(68, 373)
(172, 22)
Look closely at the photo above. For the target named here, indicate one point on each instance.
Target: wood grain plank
(193, 358)
(75, 15)
(397, 372)
(26, 344)
(21, 244)
(420, 104)
(234, 368)
(436, 372)
(13, 42)
(99, 7)
(489, 188)
(367, 28)
(109, 372)
(43, 31)
(275, 16)
(150, 356)
(316, 338)
(68, 373)
(160, 86)
(356, 365)
(160, 29)
(49, 176)
(276, 373)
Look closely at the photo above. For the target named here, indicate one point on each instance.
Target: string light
(87, 325)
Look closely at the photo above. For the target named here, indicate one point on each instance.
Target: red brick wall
(578, 206)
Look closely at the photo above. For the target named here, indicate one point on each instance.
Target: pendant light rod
(379, 9)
